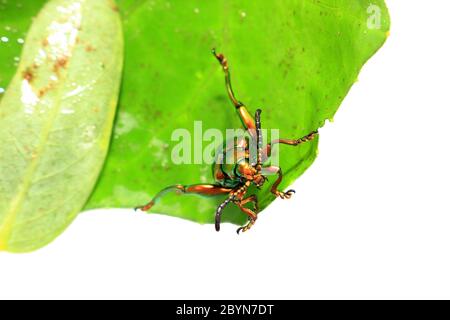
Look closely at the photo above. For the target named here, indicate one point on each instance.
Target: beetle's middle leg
(276, 170)
(245, 116)
(201, 189)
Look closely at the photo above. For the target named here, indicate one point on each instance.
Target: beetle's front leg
(276, 170)
(202, 189)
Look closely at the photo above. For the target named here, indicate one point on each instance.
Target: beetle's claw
(246, 227)
(290, 192)
(286, 195)
(221, 58)
(145, 208)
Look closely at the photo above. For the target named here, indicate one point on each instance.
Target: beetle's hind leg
(246, 117)
(201, 189)
(224, 63)
(252, 214)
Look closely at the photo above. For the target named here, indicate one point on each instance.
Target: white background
(371, 218)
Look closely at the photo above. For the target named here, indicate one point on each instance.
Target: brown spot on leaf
(60, 63)
(28, 74)
(89, 48)
(46, 89)
(45, 42)
(157, 114)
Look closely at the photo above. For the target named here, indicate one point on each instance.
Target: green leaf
(56, 118)
(294, 59)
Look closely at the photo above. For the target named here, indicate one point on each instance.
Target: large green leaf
(295, 59)
(56, 118)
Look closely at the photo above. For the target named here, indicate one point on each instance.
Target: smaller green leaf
(56, 119)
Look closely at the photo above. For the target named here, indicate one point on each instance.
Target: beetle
(234, 180)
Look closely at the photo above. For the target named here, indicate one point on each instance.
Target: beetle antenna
(232, 197)
(259, 139)
(220, 209)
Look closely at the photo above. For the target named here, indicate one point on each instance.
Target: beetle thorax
(246, 170)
